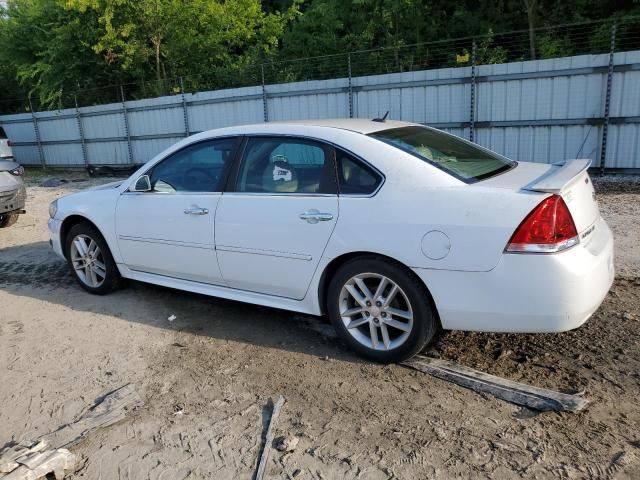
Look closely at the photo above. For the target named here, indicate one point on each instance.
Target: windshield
(461, 159)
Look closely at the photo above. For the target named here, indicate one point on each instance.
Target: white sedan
(392, 229)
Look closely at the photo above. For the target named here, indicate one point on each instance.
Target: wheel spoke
(358, 322)
(87, 274)
(356, 295)
(373, 331)
(81, 247)
(94, 278)
(391, 295)
(405, 327)
(99, 270)
(381, 287)
(93, 247)
(396, 312)
(350, 312)
(364, 289)
(385, 336)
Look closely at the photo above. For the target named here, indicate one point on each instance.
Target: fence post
(350, 86)
(126, 124)
(607, 101)
(85, 159)
(36, 129)
(472, 111)
(185, 110)
(264, 96)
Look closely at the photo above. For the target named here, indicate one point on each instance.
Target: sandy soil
(207, 378)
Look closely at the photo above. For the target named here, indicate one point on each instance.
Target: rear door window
(285, 165)
(461, 159)
(3, 135)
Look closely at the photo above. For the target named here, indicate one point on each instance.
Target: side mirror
(143, 184)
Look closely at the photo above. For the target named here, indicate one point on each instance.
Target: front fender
(97, 207)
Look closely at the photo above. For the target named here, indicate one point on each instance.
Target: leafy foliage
(55, 50)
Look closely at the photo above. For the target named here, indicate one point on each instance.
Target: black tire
(8, 219)
(112, 279)
(425, 324)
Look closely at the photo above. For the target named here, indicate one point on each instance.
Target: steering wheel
(204, 174)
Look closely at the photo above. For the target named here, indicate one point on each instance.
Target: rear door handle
(314, 216)
(195, 210)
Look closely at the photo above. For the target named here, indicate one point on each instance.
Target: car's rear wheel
(380, 309)
(90, 260)
(8, 219)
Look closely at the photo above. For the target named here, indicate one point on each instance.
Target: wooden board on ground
(262, 466)
(514, 392)
(110, 409)
(31, 460)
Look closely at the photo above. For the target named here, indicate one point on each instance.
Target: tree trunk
(156, 43)
(530, 6)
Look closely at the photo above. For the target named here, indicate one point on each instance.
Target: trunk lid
(568, 179)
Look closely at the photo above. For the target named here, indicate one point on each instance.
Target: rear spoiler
(559, 176)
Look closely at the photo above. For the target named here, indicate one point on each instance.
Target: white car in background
(12, 189)
(394, 230)
(6, 152)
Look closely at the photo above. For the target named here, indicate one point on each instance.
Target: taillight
(548, 228)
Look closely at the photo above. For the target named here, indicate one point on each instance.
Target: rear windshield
(446, 152)
(2, 134)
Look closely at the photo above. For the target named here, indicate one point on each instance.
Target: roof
(360, 125)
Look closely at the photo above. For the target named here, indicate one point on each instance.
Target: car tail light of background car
(549, 228)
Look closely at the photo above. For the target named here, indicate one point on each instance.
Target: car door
(275, 220)
(169, 230)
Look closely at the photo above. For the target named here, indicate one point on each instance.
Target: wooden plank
(40, 465)
(9, 456)
(262, 467)
(110, 409)
(514, 392)
(31, 460)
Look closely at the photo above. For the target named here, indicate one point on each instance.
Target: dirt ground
(208, 376)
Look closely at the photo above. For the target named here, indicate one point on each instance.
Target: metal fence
(485, 89)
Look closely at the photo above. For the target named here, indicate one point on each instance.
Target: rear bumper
(13, 200)
(527, 292)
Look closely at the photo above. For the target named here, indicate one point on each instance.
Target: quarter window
(197, 168)
(285, 165)
(354, 177)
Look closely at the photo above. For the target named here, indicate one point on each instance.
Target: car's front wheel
(380, 309)
(90, 260)
(8, 219)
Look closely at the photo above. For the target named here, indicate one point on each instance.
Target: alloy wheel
(88, 261)
(375, 311)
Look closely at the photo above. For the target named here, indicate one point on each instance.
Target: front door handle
(195, 210)
(314, 216)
